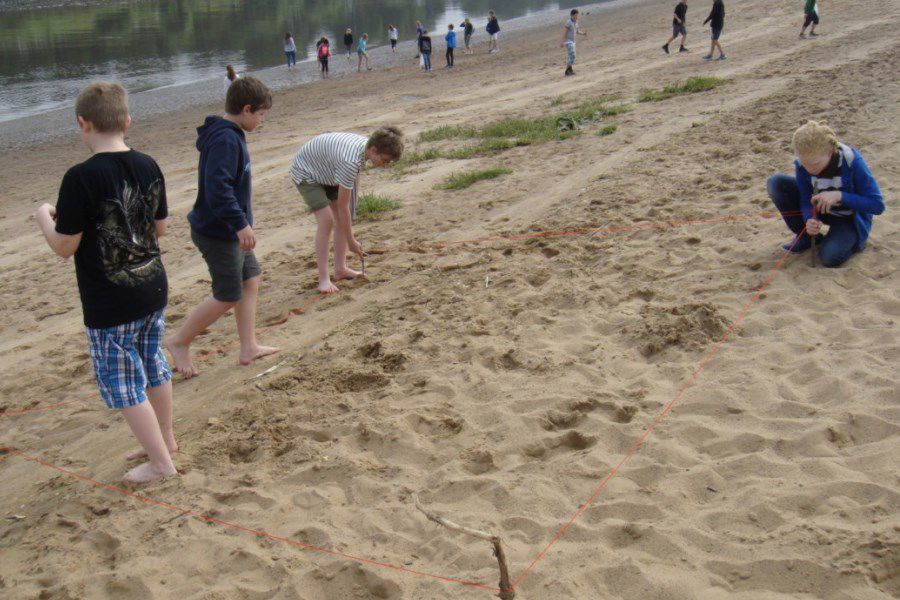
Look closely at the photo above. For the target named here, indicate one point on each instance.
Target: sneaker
(569, 73)
(707, 57)
(721, 57)
(665, 48)
(798, 247)
(683, 49)
(802, 36)
(813, 34)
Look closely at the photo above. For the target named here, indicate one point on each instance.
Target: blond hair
(105, 106)
(388, 140)
(814, 139)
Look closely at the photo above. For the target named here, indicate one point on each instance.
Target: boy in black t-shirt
(110, 211)
(222, 225)
(679, 26)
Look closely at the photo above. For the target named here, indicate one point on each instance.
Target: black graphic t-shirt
(114, 200)
(680, 12)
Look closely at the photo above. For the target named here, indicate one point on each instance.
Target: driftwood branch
(506, 592)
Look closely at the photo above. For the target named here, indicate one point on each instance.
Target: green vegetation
(609, 129)
(372, 207)
(463, 180)
(689, 86)
(448, 132)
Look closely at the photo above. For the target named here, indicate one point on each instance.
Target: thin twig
(506, 592)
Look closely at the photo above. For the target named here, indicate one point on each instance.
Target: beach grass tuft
(607, 130)
(688, 86)
(373, 206)
(448, 132)
(461, 181)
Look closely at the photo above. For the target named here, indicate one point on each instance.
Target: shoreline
(55, 123)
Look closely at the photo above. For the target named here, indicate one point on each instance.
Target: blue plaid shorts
(128, 359)
(570, 54)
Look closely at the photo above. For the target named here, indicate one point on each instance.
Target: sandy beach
(502, 381)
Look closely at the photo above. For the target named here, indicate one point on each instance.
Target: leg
(144, 425)
(148, 342)
(785, 196)
(341, 270)
(245, 315)
(324, 225)
(161, 402)
(840, 243)
(179, 345)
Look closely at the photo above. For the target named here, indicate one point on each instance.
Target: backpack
(324, 50)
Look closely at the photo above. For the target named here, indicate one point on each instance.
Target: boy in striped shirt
(326, 173)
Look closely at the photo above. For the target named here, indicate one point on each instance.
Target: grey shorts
(229, 266)
(678, 30)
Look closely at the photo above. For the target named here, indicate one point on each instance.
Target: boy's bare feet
(181, 356)
(346, 274)
(326, 287)
(146, 473)
(141, 453)
(249, 356)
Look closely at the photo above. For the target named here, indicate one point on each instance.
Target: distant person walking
(810, 17)
(348, 42)
(451, 45)
(493, 29)
(420, 31)
(678, 26)
(323, 52)
(290, 50)
(570, 30)
(425, 50)
(468, 30)
(230, 76)
(392, 36)
(716, 20)
(361, 52)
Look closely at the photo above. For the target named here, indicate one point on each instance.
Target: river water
(48, 53)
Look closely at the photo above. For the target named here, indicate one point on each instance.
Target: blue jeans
(291, 58)
(426, 57)
(836, 247)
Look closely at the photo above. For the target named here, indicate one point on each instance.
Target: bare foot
(146, 473)
(326, 287)
(181, 356)
(141, 453)
(346, 274)
(258, 352)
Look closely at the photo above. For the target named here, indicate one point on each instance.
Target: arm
(805, 186)
(344, 219)
(62, 244)
(867, 196)
(161, 227)
(218, 181)
(709, 18)
(563, 40)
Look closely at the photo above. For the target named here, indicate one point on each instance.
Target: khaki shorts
(317, 196)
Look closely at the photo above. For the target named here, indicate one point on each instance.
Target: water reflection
(49, 54)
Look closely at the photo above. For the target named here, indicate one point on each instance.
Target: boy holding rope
(846, 200)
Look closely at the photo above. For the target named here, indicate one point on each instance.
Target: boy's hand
(247, 238)
(813, 226)
(823, 201)
(356, 248)
(48, 209)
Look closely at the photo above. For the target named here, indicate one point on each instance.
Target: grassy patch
(448, 132)
(688, 86)
(608, 130)
(372, 207)
(461, 181)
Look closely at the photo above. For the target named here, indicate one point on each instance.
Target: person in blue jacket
(222, 225)
(493, 29)
(451, 45)
(832, 186)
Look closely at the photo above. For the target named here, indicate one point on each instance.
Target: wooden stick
(812, 256)
(506, 593)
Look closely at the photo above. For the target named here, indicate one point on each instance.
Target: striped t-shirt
(829, 180)
(330, 159)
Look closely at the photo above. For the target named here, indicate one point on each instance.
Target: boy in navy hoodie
(222, 224)
(832, 185)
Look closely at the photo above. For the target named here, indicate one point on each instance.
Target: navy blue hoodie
(223, 204)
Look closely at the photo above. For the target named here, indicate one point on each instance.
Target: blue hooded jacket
(223, 204)
(859, 191)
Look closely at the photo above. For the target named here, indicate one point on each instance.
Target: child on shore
(425, 50)
(290, 50)
(323, 51)
(326, 173)
(846, 198)
(679, 26)
(451, 45)
(361, 53)
(348, 42)
(468, 30)
(716, 20)
(493, 30)
(230, 76)
(392, 36)
(570, 30)
(110, 211)
(420, 31)
(810, 17)
(222, 225)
